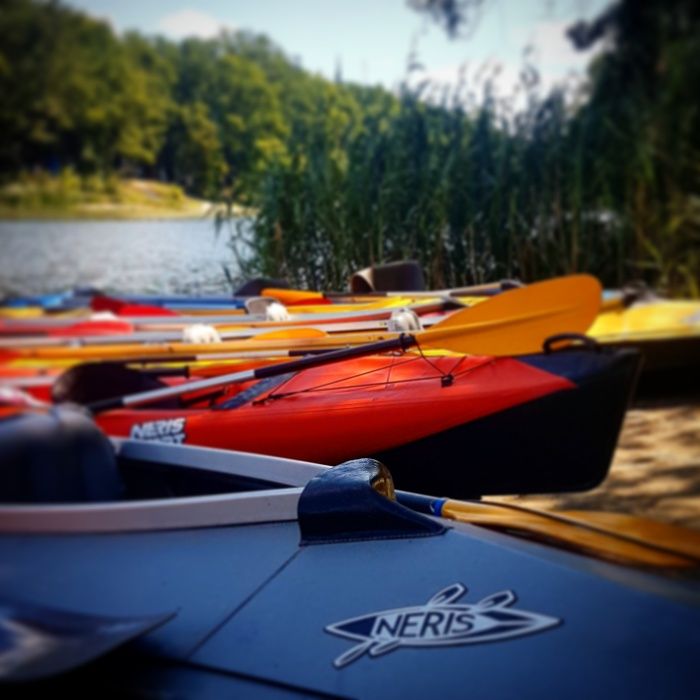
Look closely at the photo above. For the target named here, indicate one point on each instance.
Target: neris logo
(440, 622)
(171, 430)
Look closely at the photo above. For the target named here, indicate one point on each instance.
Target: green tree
(193, 154)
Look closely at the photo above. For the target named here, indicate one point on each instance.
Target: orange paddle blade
(518, 321)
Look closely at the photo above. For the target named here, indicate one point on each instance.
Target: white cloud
(467, 83)
(549, 51)
(552, 52)
(184, 23)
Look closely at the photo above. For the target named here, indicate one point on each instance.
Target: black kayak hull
(572, 432)
(670, 368)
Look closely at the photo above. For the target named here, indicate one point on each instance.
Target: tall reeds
(477, 190)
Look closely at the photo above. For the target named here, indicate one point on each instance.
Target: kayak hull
(559, 414)
(667, 333)
(670, 366)
(556, 438)
(405, 607)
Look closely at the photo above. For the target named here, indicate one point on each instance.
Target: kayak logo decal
(171, 430)
(440, 622)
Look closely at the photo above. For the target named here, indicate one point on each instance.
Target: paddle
(294, 297)
(39, 641)
(513, 323)
(613, 536)
(336, 323)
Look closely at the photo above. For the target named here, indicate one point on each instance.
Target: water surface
(169, 256)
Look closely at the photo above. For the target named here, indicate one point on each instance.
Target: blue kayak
(81, 297)
(171, 571)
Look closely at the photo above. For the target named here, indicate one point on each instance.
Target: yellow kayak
(667, 332)
(648, 321)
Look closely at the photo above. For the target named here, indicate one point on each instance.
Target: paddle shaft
(402, 342)
(239, 328)
(477, 290)
(177, 336)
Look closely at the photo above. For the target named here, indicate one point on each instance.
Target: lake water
(170, 256)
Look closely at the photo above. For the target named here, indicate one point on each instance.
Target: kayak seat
(86, 383)
(57, 456)
(254, 287)
(403, 276)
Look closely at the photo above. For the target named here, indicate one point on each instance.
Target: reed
(477, 190)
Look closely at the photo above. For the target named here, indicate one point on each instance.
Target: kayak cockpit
(60, 473)
(151, 487)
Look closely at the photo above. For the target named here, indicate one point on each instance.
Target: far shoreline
(131, 200)
(208, 210)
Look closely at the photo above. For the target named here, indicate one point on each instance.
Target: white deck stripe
(271, 505)
(275, 505)
(290, 472)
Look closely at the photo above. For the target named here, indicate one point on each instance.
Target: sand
(655, 470)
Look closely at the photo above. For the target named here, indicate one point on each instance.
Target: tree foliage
(346, 175)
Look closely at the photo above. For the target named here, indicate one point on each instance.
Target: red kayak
(501, 424)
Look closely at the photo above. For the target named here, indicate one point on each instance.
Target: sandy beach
(655, 471)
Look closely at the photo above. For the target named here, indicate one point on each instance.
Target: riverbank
(69, 197)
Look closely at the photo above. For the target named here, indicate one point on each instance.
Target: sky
(370, 40)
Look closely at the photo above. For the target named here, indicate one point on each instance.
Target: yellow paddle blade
(672, 537)
(292, 334)
(291, 296)
(518, 321)
(620, 538)
(305, 302)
